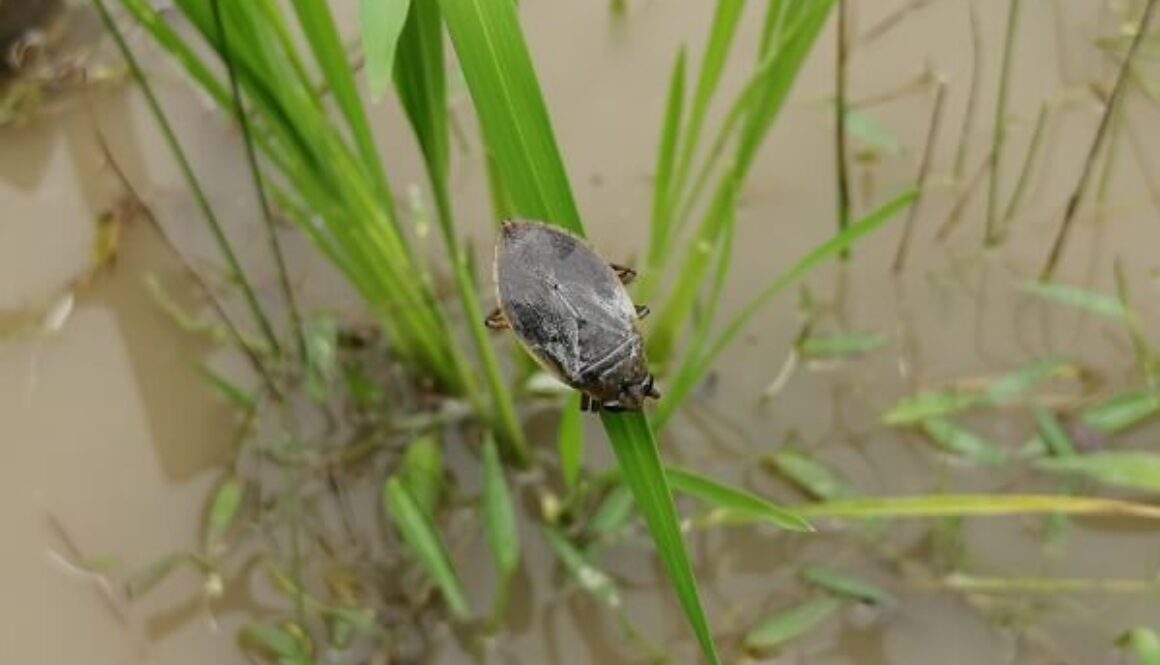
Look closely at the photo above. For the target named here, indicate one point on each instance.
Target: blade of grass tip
(845, 585)
(722, 31)
(513, 117)
(1121, 412)
(422, 86)
(994, 234)
(259, 186)
(191, 178)
(659, 238)
(792, 623)
(1130, 469)
(423, 539)
(1070, 296)
(640, 465)
(1094, 149)
(381, 22)
(693, 369)
(734, 499)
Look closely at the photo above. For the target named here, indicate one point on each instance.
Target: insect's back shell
(563, 300)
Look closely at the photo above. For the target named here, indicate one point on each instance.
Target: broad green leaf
(1016, 384)
(1144, 643)
(962, 442)
(570, 441)
(1070, 296)
(227, 499)
(588, 576)
(1054, 436)
(734, 500)
(950, 505)
(614, 512)
(421, 536)
(837, 346)
(422, 472)
(792, 623)
(382, 23)
(924, 406)
(498, 513)
(815, 478)
(841, 584)
(1122, 468)
(640, 466)
(1122, 411)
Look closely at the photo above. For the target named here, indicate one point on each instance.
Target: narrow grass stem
(1033, 149)
(203, 203)
(259, 186)
(994, 234)
(923, 174)
(841, 144)
(1097, 142)
(960, 163)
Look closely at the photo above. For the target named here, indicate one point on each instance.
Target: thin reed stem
(923, 173)
(259, 186)
(1033, 149)
(994, 235)
(1097, 142)
(203, 203)
(969, 112)
(841, 144)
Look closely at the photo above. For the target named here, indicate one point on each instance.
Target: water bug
(570, 310)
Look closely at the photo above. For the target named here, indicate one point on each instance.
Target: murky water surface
(111, 440)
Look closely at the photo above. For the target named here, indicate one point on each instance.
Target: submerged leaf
(589, 577)
(499, 515)
(421, 536)
(1054, 436)
(422, 472)
(845, 585)
(791, 623)
(962, 442)
(1127, 468)
(1122, 411)
(834, 346)
(1144, 643)
(815, 478)
(1014, 385)
(923, 406)
(1070, 296)
(224, 508)
(735, 500)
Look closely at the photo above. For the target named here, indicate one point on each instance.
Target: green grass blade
(570, 442)
(790, 624)
(816, 479)
(734, 500)
(1122, 411)
(693, 369)
(421, 536)
(511, 109)
(953, 505)
(499, 514)
(1054, 436)
(382, 23)
(962, 442)
(1144, 643)
(421, 472)
(841, 345)
(935, 404)
(843, 584)
(1070, 296)
(1016, 384)
(659, 237)
(591, 578)
(1131, 469)
(223, 509)
(640, 467)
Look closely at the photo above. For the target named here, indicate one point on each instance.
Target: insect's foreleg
(496, 320)
(642, 311)
(623, 272)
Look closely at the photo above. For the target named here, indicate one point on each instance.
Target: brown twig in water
(1097, 142)
(923, 173)
(973, 91)
(885, 25)
(993, 235)
(840, 128)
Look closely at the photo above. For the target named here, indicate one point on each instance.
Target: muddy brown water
(111, 440)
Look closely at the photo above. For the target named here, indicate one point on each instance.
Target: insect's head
(633, 393)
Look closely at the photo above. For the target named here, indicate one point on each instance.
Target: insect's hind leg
(623, 272)
(496, 320)
(642, 311)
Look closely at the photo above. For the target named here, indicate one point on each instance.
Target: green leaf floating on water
(842, 584)
(962, 442)
(1088, 301)
(838, 346)
(792, 623)
(1131, 469)
(815, 478)
(1122, 411)
(923, 406)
